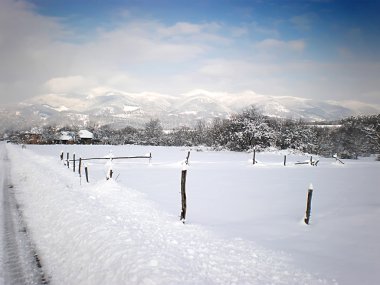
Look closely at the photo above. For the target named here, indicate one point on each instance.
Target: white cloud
(25, 49)
(238, 31)
(345, 52)
(181, 28)
(235, 69)
(264, 30)
(69, 84)
(303, 22)
(143, 41)
(295, 45)
(42, 54)
(36, 53)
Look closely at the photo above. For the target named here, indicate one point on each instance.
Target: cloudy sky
(321, 49)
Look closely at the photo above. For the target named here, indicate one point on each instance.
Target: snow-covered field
(244, 222)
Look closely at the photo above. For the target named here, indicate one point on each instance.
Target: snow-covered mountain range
(123, 108)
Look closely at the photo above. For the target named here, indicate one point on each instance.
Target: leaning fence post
(337, 159)
(80, 167)
(187, 158)
(61, 156)
(74, 162)
(284, 160)
(86, 171)
(308, 205)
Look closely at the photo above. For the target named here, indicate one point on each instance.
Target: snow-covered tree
(372, 133)
(153, 132)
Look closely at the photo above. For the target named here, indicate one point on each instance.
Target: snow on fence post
(109, 167)
(67, 159)
(86, 171)
(74, 162)
(308, 205)
(284, 160)
(109, 170)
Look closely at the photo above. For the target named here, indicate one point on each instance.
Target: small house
(66, 138)
(85, 137)
(30, 137)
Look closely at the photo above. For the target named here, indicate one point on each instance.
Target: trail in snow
(107, 234)
(18, 259)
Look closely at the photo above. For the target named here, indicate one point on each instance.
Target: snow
(65, 136)
(58, 109)
(3, 184)
(244, 222)
(189, 113)
(84, 134)
(127, 108)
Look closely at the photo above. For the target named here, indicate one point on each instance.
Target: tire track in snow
(19, 260)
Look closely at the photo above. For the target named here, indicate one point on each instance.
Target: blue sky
(318, 49)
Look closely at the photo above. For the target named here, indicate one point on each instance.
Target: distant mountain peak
(121, 108)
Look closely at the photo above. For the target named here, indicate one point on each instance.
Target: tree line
(349, 137)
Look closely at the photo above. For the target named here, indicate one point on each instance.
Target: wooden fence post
(254, 155)
(187, 158)
(86, 171)
(183, 188)
(109, 171)
(74, 162)
(284, 160)
(150, 158)
(337, 159)
(308, 205)
(67, 160)
(183, 195)
(61, 156)
(80, 167)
